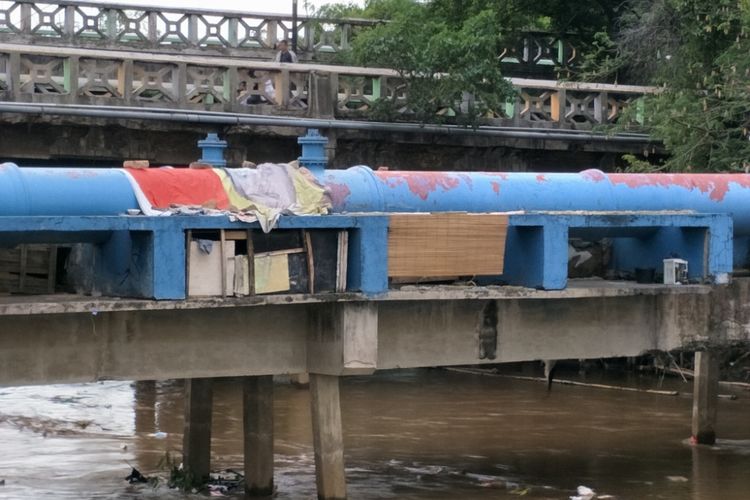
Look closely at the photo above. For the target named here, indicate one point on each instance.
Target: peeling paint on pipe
(74, 191)
(359, 189)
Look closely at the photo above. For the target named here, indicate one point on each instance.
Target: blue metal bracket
(313, 152)
(213, 150)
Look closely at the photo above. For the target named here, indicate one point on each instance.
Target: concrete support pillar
(258, 430)
(327, 437)
(145, 406)
(322, 96)
(705, 397)
(196, 440)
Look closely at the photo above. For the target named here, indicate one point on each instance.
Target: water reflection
(409, 435)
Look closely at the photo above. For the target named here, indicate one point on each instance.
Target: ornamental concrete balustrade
(199, 31)
(66, 75)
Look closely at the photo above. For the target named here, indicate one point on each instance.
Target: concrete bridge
(76, 339)
(363, 296)
(84, 65)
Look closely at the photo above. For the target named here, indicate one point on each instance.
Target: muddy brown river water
(419, 434)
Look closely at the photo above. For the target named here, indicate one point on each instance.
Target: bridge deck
(15, 305)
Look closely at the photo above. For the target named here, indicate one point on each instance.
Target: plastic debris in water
(159, 435)
(678, 479)
(136, 477)
(584, 493)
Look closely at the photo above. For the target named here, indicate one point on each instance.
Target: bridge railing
(119, 78)
(196, 31)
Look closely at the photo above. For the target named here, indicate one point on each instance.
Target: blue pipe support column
(213, 151)
(313, 152)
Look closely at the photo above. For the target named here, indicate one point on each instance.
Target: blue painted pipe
(74, 191)
(64, 191)
(360, 189)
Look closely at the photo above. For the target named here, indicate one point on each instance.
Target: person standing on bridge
(285, 55)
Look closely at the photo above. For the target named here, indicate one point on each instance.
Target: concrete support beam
(343, 339)
(196, 440)
(327, 437)
(258, 431)
(705, 397)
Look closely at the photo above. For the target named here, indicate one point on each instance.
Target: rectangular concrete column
(327, 437)
(258, 429)
(705, 397)
(196, 440)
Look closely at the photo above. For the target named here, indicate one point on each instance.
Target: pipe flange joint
(313, 151)
(213, 150)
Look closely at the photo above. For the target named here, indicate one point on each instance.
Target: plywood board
(205, 270)
(241, 275)
(446, 244)
(271, 273)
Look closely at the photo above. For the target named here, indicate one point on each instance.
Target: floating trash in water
(678, 479)
(2, 482)
(584, 493)
(136, 477)
(159, 435)
(430, 470)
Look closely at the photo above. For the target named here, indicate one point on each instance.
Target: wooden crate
(442, 245)
(28, 269)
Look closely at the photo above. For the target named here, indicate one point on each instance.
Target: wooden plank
(446, 244)
(342, 261)
(286, 251)
(310, 260)
(189, 238)
(222, 245)
(250, 262)
(241, 275)
(205, 269)
(271, 273)
(236, 234)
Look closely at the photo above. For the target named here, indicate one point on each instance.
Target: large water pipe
(78, 191)
(360, 189)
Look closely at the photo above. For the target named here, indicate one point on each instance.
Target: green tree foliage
(698, 52)
(448, 51)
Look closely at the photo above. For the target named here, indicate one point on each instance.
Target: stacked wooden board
(433, 246)
(29, 269)
(254, 263)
